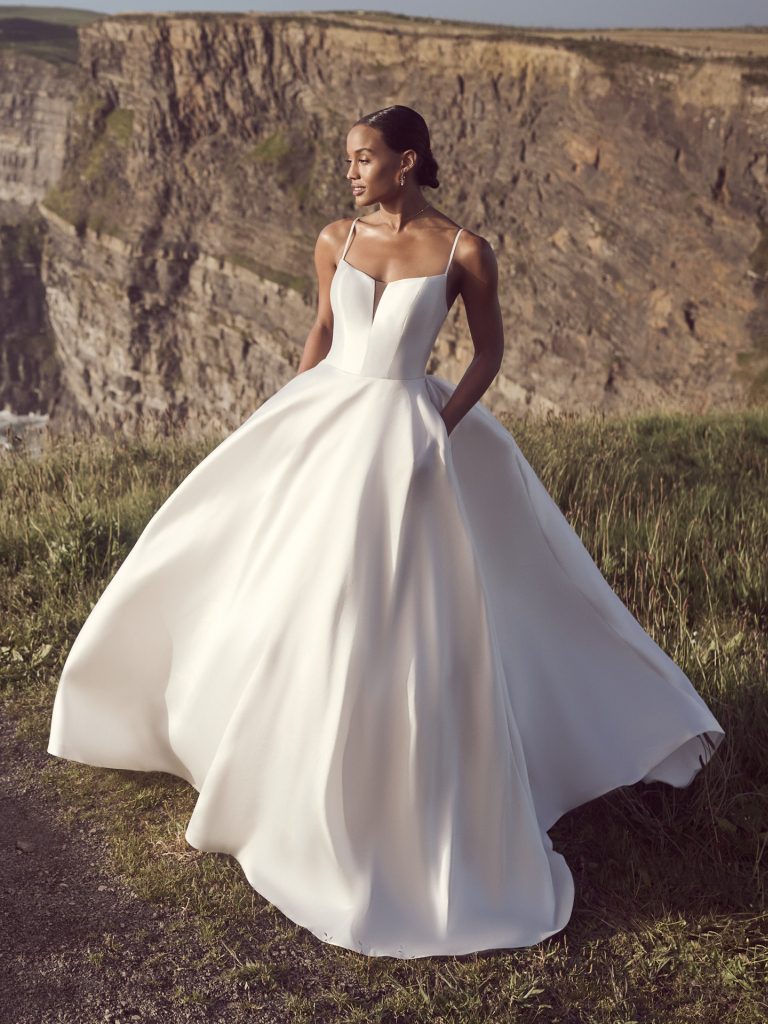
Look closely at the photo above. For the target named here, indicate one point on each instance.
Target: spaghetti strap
(453, 248)
(352, 229)
(349, 236)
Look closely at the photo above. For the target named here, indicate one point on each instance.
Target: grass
(55, 15)
(669, 923)
(92, 191)
(49, 33)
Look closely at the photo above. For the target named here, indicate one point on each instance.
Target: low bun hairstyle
(404, 128)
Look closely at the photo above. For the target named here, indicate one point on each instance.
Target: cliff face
(30, 378)
(623, 189)
(36, 98)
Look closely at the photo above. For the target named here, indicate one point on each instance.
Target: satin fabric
(380, 654)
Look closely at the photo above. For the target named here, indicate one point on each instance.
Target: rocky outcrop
(30, 378)
(623, 189)
(36, 99)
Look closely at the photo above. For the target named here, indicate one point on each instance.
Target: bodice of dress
(387, 334)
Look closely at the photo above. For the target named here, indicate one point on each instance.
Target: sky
(528, 13)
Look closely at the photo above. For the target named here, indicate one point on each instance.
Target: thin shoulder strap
(349, 236)
(453, 249)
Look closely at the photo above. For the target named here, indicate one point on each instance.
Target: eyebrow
(364, 149)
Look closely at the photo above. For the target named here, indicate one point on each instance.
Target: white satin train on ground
(381, 655)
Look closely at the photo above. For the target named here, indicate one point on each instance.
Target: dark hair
(404, 128)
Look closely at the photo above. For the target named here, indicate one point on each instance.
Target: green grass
(92, 191)
(54, 15)
(669, 923)
(49, 33)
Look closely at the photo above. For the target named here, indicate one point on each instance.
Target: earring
(402, 178)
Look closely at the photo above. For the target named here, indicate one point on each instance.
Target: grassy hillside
(46, 32)
(670, 921)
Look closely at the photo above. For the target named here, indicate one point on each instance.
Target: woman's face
(372, 166)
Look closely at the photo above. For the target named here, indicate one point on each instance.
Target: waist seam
(370, 376)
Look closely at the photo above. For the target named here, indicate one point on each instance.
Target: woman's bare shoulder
(335, 232)
(475, 253)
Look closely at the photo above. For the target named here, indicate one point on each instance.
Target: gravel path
(77, 945)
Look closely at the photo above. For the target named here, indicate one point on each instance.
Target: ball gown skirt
(379, 653)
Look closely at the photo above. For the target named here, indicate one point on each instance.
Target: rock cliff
(185, 168)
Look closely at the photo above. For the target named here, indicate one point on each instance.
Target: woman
(363, 630)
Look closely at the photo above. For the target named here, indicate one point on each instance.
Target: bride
(363, 630)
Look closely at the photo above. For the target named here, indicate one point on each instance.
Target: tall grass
(669, 922)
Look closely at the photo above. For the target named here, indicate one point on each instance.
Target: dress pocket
(443, 428)
(443, 438)
(439, 431)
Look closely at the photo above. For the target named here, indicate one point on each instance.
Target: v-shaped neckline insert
(398, 280)
(421, 277)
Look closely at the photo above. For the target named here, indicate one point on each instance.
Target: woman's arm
(478, 287)
(318, 342)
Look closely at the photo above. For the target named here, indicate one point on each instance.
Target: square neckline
(418, 277)
(377, 280)
(387, 284)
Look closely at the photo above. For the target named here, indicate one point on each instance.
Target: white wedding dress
(381, 655)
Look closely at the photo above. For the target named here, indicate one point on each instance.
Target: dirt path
(76, 944)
